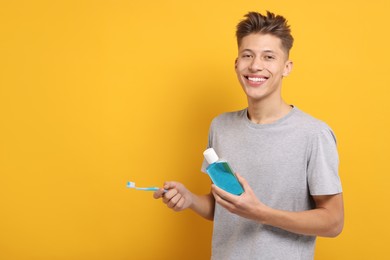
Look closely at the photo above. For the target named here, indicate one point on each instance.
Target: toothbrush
(132, 185)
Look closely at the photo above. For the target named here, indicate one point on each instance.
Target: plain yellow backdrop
(96, 93)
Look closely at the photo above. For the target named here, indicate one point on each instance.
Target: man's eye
(269, 57)
(247, 56)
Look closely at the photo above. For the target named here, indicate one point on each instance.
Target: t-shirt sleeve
(323, 164)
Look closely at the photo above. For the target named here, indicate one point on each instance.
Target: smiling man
(286, 160)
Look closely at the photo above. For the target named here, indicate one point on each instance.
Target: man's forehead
(261, 39)
(265, 43)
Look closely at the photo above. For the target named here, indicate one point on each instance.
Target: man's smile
(255, 80)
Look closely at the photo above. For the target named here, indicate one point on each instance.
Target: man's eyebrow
(244, 50)
(266, 50)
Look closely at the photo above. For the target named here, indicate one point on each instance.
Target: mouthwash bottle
(221, 173)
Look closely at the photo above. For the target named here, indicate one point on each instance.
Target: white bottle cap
(210, 155)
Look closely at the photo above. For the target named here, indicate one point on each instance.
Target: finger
(158, 194)
(221, 201)
(215, 195)
(173, 201)
(243, 182)
(168, 185)
(169, 195)
(179, 205)
(223, 194)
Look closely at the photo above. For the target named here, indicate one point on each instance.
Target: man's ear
(235, 64)
(287, 68)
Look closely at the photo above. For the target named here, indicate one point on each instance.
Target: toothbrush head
(130, 184)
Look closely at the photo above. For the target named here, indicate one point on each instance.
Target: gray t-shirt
(284, 162)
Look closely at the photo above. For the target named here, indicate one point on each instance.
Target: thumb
(169, 185)
(243, 182)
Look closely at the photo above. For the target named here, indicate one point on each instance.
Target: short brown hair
(275, 25)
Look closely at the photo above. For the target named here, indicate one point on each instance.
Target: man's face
(261, 65)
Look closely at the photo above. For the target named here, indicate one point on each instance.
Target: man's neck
(262, 112)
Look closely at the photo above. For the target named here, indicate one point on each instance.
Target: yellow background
(96, 93)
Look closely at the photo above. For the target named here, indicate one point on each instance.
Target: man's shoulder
(309, 122)
(229, 116)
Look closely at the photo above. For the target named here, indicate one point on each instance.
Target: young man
(286, 160)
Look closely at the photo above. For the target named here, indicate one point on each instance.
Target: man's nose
(256, 65)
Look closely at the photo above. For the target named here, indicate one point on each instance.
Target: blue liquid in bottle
(221, 173)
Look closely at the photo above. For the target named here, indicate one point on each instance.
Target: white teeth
(257, 79)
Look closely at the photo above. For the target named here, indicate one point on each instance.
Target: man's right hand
(177, 197)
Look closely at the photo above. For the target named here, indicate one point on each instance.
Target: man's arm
(179, 198)
(327, 219)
